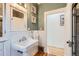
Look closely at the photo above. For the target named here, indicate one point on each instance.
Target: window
(18, 14)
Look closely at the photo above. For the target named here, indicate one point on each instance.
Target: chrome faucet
(22, 39)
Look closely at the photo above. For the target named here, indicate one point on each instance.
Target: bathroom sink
(23, 46)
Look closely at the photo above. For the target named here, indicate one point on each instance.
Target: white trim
(45, 22)
(55, 11)
(18, 7)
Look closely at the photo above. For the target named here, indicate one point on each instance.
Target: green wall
(29, 13)
(43, 7)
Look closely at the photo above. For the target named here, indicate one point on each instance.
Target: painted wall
(43, 7)
(29, 22)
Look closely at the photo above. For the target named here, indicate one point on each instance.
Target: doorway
(55, 32)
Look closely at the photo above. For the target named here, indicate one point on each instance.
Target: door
(67, 28)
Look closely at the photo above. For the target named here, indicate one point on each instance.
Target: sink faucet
(19, 40)
(22, 39)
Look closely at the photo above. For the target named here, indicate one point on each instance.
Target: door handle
(70, 43)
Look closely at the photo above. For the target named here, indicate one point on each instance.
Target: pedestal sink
(25, 48)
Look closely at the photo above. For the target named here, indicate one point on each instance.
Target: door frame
(67, 50)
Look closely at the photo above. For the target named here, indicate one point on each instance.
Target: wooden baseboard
(55, 51)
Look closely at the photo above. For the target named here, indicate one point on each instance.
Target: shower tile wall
(77, 49)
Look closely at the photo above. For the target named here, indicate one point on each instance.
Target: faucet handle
(24, 38)
(19, 40)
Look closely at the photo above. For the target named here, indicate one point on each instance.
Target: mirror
(1, 17)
